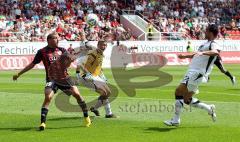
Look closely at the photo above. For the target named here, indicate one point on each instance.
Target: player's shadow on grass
(65, 127)
(22, 129)
(19, 129)
(167, 129)
(159, 129)
(68, 118)
(37, 129)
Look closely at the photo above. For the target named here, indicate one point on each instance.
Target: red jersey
(58, 70)
(48, 55)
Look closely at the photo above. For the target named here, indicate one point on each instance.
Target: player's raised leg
(220, 66)
(209, 108)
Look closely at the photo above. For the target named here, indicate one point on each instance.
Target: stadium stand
(32, 20)
(191, 16)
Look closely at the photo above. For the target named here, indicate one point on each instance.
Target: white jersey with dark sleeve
(203, 63)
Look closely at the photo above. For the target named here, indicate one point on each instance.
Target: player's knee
(48, 91)
(74, 91)
(75, 94)
(102, 92)
(181, 90)
(108, 93)
(187, 101)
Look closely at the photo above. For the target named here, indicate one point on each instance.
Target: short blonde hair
(51, 35)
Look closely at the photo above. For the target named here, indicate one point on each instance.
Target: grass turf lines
(141, 117)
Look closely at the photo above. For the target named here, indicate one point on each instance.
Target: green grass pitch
(141, 117)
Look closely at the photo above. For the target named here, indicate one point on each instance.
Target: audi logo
(8, 63)
(149, 59)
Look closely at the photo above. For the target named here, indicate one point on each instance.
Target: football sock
(107, 107)
(227, 73)
(178, 107)
(102, 101)
(196, 103)
(44, 112)
(83, 105)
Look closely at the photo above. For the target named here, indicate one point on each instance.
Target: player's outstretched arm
(82, 50)
(27, 68)
(184, 56)
(209, 53)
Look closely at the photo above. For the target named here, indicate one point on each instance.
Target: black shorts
(63, 85)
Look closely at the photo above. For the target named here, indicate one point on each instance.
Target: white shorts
(97, 82)
(192, 79)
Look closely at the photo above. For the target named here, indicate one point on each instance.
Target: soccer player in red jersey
(50, 55)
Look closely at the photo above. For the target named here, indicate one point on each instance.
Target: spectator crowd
(32, 20)
(191, 16)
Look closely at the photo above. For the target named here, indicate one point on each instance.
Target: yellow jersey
(94, 62)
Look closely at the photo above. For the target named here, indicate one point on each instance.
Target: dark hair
(213, 28)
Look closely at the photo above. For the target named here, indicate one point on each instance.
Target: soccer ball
(92, 19)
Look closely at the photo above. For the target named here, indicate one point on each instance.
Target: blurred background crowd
(32, 20)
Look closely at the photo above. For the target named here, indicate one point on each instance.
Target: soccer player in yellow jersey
(93, 77)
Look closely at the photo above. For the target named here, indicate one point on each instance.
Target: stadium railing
(156, 35)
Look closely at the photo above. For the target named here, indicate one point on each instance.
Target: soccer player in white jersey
(201, 64)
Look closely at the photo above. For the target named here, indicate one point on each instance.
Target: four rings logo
(7, 63)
